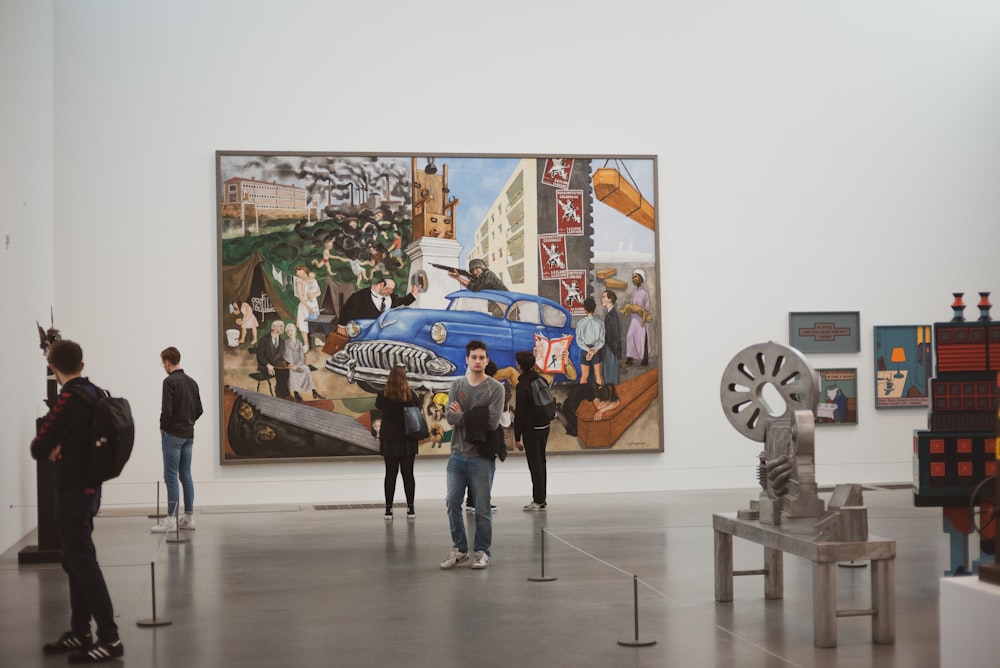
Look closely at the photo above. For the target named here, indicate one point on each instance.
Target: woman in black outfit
(398, 449)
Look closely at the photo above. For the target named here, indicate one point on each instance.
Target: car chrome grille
(387, 354)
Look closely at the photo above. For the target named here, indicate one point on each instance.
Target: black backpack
(545, 403)
(112, 434)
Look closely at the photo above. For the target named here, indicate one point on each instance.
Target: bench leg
(723, 567)
(825, 604)
(884, 601)
(774, 580)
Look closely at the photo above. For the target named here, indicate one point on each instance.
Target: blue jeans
(475, 473)
(177, 464)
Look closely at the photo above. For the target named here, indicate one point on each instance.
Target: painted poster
(838, 396)
(336, 268)
(903, 366)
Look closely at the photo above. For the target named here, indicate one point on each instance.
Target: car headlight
(353, 329)
(439, 332)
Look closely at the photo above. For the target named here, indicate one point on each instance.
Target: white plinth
(969, 612)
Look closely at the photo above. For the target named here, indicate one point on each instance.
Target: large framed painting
(903, 366)
(335, 268)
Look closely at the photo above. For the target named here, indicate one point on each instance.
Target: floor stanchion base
(542, 579)
(154, 622)
(636, 643)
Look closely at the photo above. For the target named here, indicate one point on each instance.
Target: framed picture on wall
(335, 269)
(838, 396)
(903, 366)
(824, 331)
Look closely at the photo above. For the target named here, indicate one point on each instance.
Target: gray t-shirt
(489, 393)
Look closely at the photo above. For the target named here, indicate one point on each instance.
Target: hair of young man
(397, 388)
(171, 355)
(475, 344)
(525, 360)
(607, 392)
(66, 357)
(589, 305)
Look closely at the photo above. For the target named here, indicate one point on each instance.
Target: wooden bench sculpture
(635, 394)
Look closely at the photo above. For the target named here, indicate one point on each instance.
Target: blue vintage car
(430, 343)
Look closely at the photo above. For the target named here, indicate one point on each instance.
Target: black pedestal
(49, 548)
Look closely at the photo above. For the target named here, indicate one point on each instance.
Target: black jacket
(69, 424)
(181, 405)
(392, 419)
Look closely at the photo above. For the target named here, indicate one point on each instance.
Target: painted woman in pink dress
(638, 310)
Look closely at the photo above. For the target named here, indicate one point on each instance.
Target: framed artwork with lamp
(903, 366)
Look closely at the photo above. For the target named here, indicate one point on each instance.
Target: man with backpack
(64, 438)
(533, 410)
(180, 408)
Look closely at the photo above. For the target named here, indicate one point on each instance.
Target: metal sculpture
(769, 393)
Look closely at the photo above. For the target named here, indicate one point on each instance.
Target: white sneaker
(534, 507)
(455, 557)
(166, 525)
(482, 560)
(187, 523)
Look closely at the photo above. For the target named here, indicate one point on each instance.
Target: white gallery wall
(812, 156)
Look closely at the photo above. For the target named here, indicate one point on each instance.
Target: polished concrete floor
(338, 586)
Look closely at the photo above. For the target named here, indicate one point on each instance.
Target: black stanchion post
(542, 578)
(153, 621)
(635, 608)
(176, 538)
(158, 514)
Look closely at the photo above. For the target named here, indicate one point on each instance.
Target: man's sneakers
(166, 525)
(71, 641)
(455, 557)
(99, 653)
(534, 507)
(86, 650)
(481, 560)
(187, 523)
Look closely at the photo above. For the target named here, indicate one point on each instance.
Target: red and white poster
(573, 290)
(569, 212)
(557, 172)
(552, 255)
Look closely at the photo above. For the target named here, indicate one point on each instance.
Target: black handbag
(414, 423)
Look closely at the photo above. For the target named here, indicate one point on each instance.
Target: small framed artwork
(824, 331)
(838, 396)
(903, 366)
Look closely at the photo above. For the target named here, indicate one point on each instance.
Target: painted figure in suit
(371, 303)
(271, 358)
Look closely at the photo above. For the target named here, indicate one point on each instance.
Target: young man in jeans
(180, 408)
(474, 407)
(64, 439)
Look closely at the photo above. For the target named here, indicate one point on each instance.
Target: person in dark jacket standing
(612, 350)
(532, 428)
(180, 408)
(64, 439)
(398, 449)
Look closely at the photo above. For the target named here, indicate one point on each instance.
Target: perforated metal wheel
(767, 369)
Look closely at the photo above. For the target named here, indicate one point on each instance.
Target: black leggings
(403, 464)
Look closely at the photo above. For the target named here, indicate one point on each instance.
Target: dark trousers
(535, 441)
(88, 593)
(404, 465)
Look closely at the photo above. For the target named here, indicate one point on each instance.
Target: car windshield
(478, 305)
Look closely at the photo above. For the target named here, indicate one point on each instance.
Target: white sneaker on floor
(455, 557)
(534, 507)
(482, 560)
(187, 523)
(166, 525)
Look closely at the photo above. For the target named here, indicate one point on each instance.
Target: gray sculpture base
(791, 538)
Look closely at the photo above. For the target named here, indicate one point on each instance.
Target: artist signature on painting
(636, 444)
